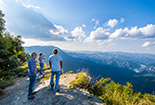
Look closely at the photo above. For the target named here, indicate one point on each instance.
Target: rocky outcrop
(17, 94)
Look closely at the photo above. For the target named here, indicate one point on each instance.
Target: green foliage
(46, 67)
(12, 56)
(113, 93)
(7, 77)
(1, 91)
(124, 95)
(98, 88)
(6, 82)
(2, 22)
(69, 72)
(80, 81)
(46, 77)
(11, 52)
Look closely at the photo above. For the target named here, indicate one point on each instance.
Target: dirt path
(17, 94)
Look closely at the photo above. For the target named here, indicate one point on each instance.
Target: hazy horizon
(86, 50)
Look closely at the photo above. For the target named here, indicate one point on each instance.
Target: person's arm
(61, 66)
(50, 64)
(29, 65)
(43, 57)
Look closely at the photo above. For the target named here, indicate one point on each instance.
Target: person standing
(55, 62)
(41, 57)
(32, 74)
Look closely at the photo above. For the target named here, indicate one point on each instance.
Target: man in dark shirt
(32, 74)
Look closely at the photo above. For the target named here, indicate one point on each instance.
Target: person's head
(34, 55)
(40, 54)
(55, 51)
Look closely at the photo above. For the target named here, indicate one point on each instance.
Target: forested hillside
(12, 56)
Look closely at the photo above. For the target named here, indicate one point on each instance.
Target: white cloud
(84, 26)
(119, 33)
(31, 6)
(148, 44)
(30, 22)
(96, 23)
(33, 42)
(112, 23)
(36, 42)
(98, 34)
(1, 2)
(146, 32)
(59, 30)
(134, 32)
(93, 19)
(78, 33)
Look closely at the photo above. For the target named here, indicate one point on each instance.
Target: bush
(80, 81)
(1, 91)
(6, 82)
(98, 88)
(69, 72)
(47, 67)
(112, 93)
(46, 77)
(7, 77)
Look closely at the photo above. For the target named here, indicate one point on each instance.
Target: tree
(12, 54)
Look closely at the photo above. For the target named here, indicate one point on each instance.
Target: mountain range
(121, 67)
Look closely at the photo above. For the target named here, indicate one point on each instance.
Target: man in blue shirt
(32, 74)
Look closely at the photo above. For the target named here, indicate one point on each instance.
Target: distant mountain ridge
(132, 61)
(116, 65)
(71, 63)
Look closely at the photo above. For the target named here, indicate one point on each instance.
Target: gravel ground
(17, 94)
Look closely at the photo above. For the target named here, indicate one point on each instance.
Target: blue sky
(84, 25)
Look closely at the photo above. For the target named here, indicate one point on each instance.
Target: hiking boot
(52, 86)
(56, 91)
(30, 98)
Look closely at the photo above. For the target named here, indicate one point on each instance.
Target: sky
(83, 25)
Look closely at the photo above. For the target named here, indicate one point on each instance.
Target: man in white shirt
(55, 62)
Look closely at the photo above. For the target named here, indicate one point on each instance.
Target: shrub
(6, 82)
(47, 67)
(81, 81)
(1, 91)
(98, 88)
(69, 72)
(112, 93)
(46, 77)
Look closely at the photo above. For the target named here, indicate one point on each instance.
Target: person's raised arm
(43, 57)
(61, 66)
